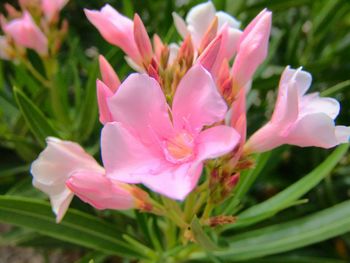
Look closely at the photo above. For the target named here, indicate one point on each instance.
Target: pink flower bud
(142, 40)
(252, 49)
(51, 8)
(101, 192)
(27, 34)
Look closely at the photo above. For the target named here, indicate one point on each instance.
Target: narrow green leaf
(288, 236)
(200, 236)
(77, 227)
(88, 111)
(35, 119)
(295, 191)
(336, 88)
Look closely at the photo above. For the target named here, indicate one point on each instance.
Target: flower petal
(316, 129)
(199, 19)
(215, 142)
(175, 182)
(109, 77)
(103, 93)
(54, 166)
(197, 101)
(252, 50)
(225, 18)
(26, 33)
(125, 157)
(140, 105)
(115, 29)
(180, 25)
(313, 103)
(100, 191)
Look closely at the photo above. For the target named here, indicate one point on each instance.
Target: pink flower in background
(116, 29)
(145, 145)
(65, 163)
(106, 88)
(300, 119)
(27, 34)
(51, 8)
(198, 21)
(252, 49)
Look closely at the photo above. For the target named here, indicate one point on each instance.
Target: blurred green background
(310, 33)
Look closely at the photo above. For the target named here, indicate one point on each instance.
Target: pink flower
(65, 163)
(51, 8)
(100, 191)
(165, 153)
(26, 33)
(299, 119)
(198, 21)
(252, 49)
(116, 29)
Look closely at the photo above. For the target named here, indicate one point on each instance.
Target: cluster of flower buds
(185, 106)
(35, 26)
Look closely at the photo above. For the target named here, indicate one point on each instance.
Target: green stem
(207, 211)
(35, 73)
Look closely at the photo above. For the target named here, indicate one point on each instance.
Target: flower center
(179, 148)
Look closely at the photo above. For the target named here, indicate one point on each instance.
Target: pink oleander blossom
(116, 29)
(27, 34)
(199, 19)
(64, 169)
(161, 148)
(300, 119)
(51, 8)
(252, 48)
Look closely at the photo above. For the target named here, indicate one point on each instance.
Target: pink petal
(109, 77)
(180, 25)
(225, 18)
(26, 33)
(252, 50)
(287, 105)
(125, 157)
(54, 166)
(99, 191)
(140, 105)
(197, 101)
(175, 182)
(142, 40)
(51, 8)
(115, 29)
(199, 19)
(215, 142)
(301, 78)
(265, 139)
(103, 93)
(313, 103)
(213, 54)
(316, 129)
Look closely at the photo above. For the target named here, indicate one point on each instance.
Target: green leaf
(35, 119)
(87, 118)
(77, 227)
(200, 236)
(284, 237)
(293, 192)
